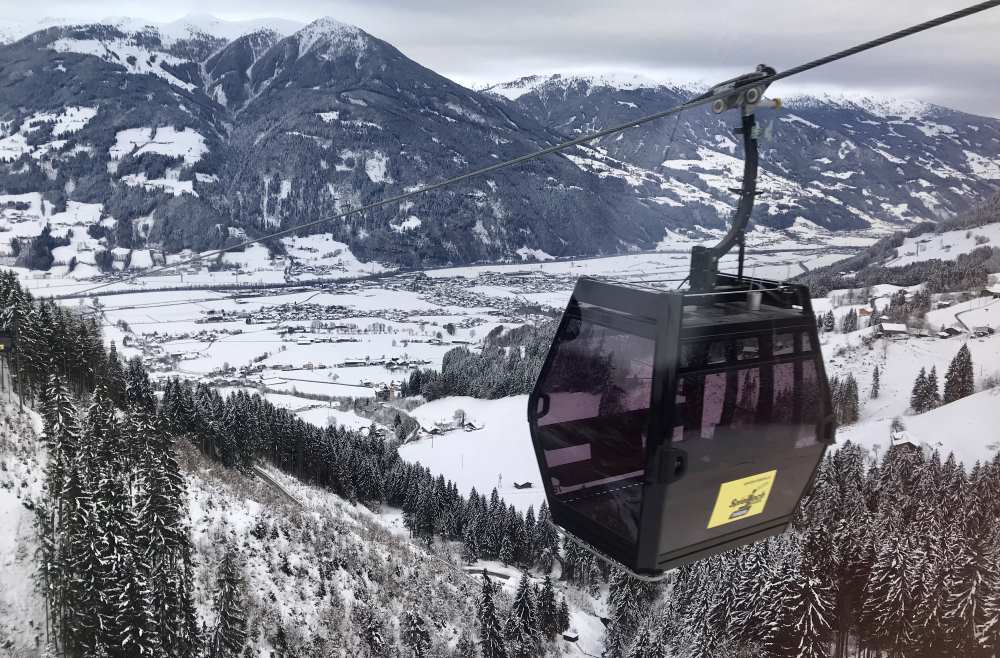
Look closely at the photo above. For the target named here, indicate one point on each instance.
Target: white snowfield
(14, 144)
(185, 143)
(970, 427)
(498, 455)
(945, 246)
(967, 427)
(128, 54)
(22, 608)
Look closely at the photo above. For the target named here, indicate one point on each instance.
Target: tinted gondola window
(593, 407)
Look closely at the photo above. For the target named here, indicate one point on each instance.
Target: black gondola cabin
(671, 425)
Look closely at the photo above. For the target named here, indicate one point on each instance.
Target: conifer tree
(229, 636)
(918, 398)
(491, 641)
(933, 394)
(466, 646)
(828, 321)
(369, 623)
(850, 322)
(562, 619)
(807, 601)
(959, 380)
(967, 600)
(628, 599)
(416, 637)
(548, 611)
(875, 384)
(887, 609)
(521, 629)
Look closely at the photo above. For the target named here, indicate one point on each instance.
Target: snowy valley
(223, 437)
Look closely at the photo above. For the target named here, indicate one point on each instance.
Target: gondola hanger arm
(747, 96)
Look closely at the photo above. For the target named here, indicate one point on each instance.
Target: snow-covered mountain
(192, 133)
(843, 161)
(183, 28)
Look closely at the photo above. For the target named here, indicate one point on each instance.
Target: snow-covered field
(947, 245)
(967, 427)
(497, 455)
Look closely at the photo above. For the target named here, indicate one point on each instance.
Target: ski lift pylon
(670, 425)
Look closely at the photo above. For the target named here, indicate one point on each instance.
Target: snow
(983, 167)
(945, 246)
(792, 118)
(134, 58)
(376, 167)
(22, 610)
(329, 38)
(537, 254)
(966, 427)
(407, 224)
(881, 106)
(191, 24)
(185, 143)
(68, 121)
(500, 451)
(172, 185)
(620, 80)
(930, 129)
(899, 361)
(322, 416)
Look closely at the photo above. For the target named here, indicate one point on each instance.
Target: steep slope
(843, 162)
(22, 610)
(270, 132)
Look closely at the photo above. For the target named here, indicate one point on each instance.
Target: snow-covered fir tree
(228, 637)
(491, 636)
(521, 629)
(959, 381)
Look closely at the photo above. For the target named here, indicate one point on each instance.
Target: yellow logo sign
(743, 498)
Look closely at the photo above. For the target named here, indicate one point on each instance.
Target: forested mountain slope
(177, 138)
(836, 161)
(954, 254)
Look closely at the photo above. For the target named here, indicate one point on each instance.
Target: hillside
(949, 255)
(194, 134)
(837, 161)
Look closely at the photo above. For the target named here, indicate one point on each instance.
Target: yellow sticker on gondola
(742, 498)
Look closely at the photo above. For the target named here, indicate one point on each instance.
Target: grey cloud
(480, 39)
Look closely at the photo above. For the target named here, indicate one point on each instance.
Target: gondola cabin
(672, 425)
(6, 345)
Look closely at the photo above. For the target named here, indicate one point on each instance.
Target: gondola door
(591, 409)
(749, 415)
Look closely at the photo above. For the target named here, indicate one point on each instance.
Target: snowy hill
(186, 27)
(967, 427)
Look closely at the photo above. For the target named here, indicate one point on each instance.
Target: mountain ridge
(191, 143)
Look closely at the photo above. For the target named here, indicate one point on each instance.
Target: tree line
(508, 364)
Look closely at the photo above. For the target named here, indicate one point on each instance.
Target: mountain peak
(229, 30)
(328, 36)
(622, 80)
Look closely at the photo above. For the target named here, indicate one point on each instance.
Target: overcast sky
(474, 41)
